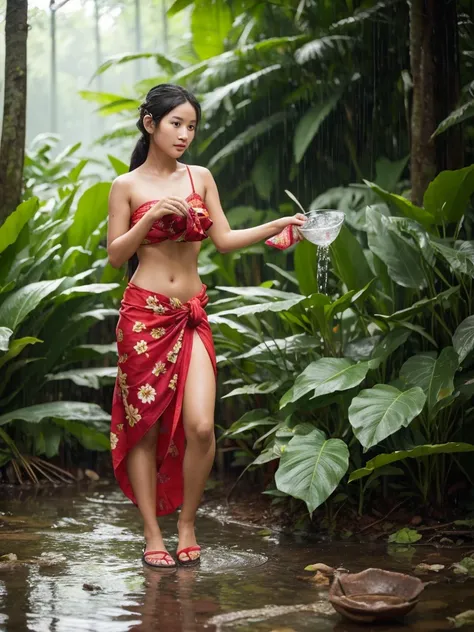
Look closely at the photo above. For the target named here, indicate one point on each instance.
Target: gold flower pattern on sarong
(138, 326)
(120, 427)
(157, 332)
(141, 346)
(173, 381)
(113, 440)
(159, 369)
(146, 394)
(173, 354)
(132, 415)
(119, 335)
(153, 304)
(123, 358)
(175, 302)
(122, 381)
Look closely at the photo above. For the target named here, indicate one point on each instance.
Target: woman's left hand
(297, 220)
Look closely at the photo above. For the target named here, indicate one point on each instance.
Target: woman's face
(176, 130)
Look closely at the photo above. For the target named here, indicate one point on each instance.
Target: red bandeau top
(176, 227)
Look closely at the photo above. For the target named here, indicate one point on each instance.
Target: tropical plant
(384, 368)
(56, 286)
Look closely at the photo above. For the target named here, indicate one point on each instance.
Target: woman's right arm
(123, 241)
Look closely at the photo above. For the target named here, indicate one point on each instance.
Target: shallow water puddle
(84, 545)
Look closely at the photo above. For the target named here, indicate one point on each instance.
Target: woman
(162, 434)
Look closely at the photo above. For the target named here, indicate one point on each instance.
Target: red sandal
(190, 561)
(164, 556)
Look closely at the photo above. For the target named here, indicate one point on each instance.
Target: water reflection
(88, 574)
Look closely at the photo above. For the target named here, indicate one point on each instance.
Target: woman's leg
(198, 420)
(141, 468)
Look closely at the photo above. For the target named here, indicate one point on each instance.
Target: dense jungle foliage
(333, 399)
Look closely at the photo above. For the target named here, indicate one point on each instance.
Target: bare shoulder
(122, 186)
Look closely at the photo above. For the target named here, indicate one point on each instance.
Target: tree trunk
(423, 154)
(12, 149)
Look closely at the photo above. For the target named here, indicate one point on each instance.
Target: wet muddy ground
(84, 572)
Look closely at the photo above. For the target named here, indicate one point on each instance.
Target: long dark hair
(159, 101)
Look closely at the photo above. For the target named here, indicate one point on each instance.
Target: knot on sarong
(196, 312)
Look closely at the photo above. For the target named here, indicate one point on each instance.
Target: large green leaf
(119, 167)
(407, 208)
(16, 347)
(305, 267)
(349, 260)
(258, 292)
(22, 302)
(462, 113)
(387, 346)
(460, 258)
(91, 377)
(404, 261)
(264, 173)
(388, 172)
(309, 125)
(326, 375)
(85, 290)
(91, 211)
(447, 197)
(299, 343)
(311, 467)
(345, 301)
(378, 412)
(12, 226)
(249, 421)
(74, 411)
(262, 388)
(5, 335)
(420, 305)
(274, 306)
(211, 22)
(177, 6)
(90, 438)
(463, 339)
(420, 451)
(434, 375)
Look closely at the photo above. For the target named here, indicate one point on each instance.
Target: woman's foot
(155, 553)
(187, 540)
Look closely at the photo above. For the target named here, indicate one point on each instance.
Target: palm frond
(321, 47)
(213, 100)
(366, 14)
(169, 64)
(233, 61)
(249, 135)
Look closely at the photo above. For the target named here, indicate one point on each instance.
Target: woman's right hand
(168, 205)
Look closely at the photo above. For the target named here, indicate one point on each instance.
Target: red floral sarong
(154, 340)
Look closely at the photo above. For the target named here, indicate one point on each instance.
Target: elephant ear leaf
(434, 375)
(378, 412)
(311, 467)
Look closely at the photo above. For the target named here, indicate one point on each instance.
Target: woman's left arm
(224, 237)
